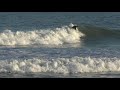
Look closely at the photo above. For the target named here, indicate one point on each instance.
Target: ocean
(43, 45)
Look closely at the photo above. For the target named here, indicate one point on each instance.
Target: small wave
(61, 65)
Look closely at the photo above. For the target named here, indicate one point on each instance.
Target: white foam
(71, 25)
(49, 37)
(61, 65)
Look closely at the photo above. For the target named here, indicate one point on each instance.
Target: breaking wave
(36, 37)
(61, 65)
(58, 36)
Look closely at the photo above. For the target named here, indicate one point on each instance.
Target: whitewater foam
(61, 65)
(50, 37)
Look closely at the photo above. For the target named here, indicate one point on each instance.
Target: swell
(99, 32)
(99, 35)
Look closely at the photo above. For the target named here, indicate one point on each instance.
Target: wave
(61, 65)
(93, 32)
(99, 36)
(50, 37)
(59, 36)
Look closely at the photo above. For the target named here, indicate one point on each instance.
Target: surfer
(73, 26)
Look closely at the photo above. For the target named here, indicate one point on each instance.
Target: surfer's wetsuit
(75, 27)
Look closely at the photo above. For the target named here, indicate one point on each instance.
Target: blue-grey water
(42, 44)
